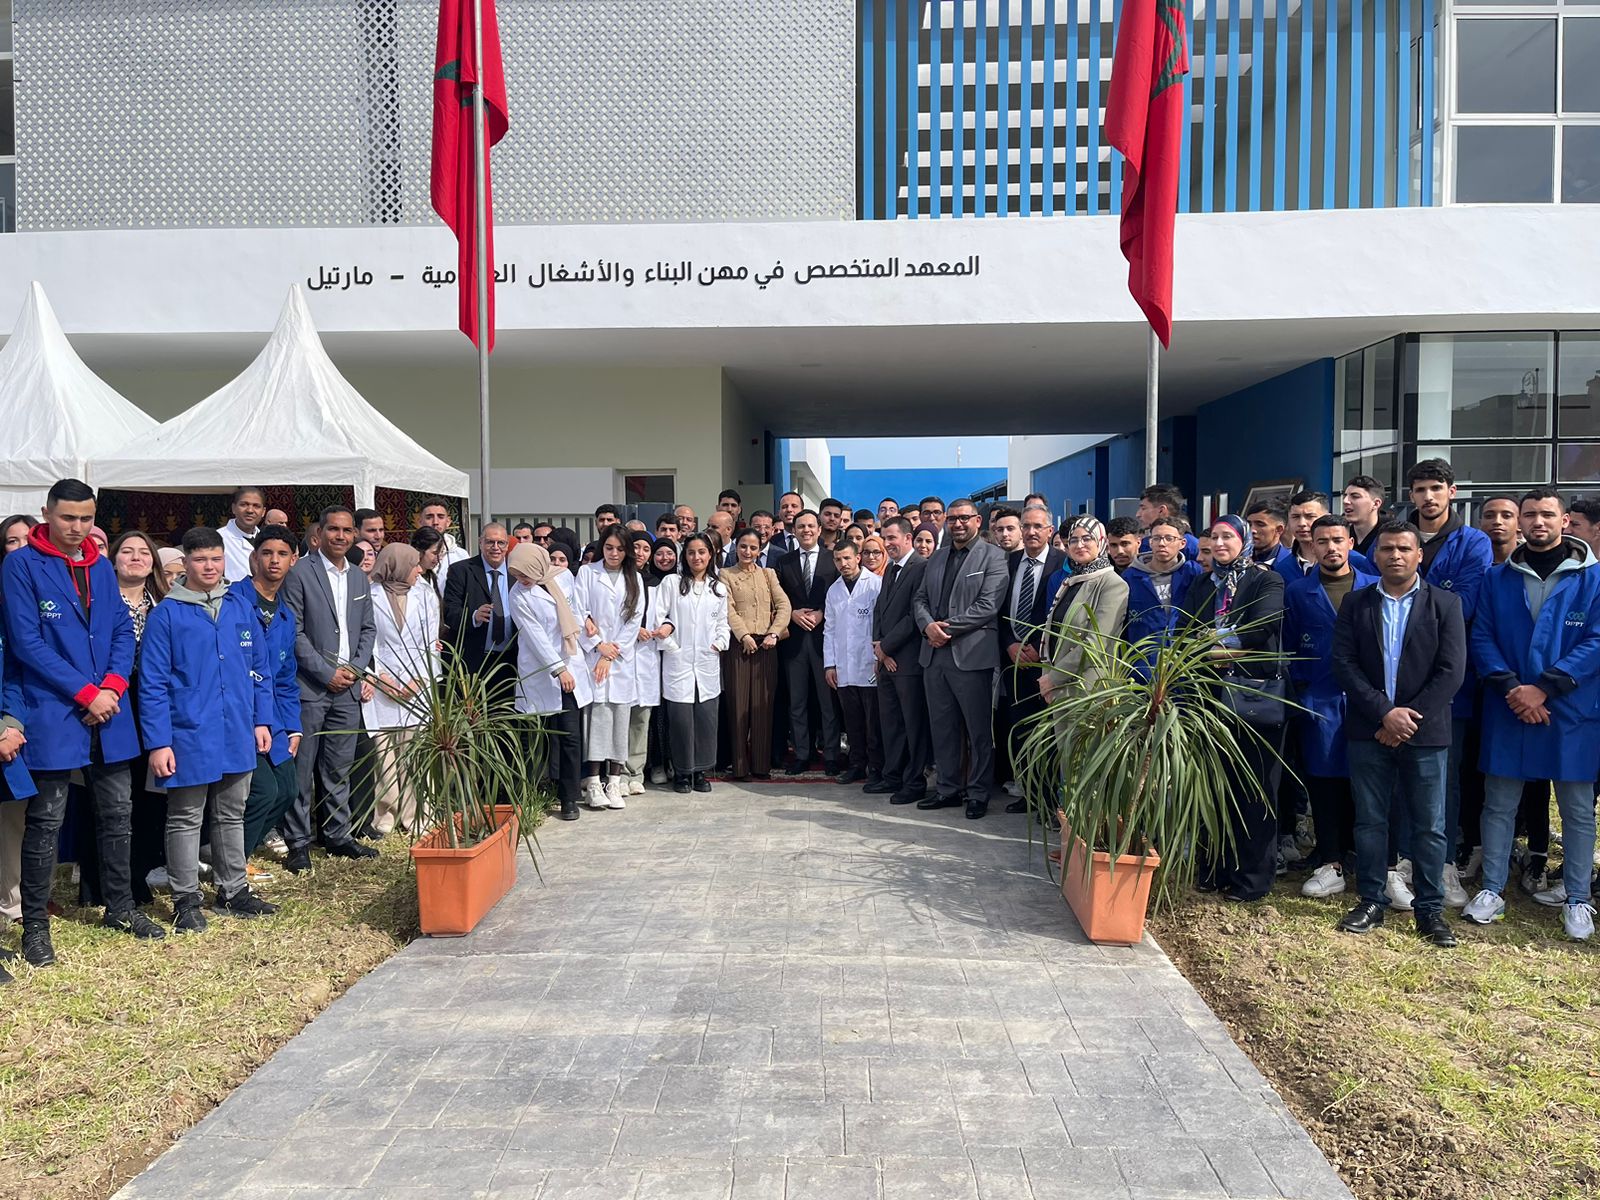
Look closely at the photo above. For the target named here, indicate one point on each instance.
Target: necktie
(1030, 581)
(894, 573)
(497, 622)
(805, 567)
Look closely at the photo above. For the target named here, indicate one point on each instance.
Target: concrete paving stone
(575, 1094)
(788, 1127)
(1118, 1120)
(928, 1178)
(461, 1060)
(260, 1112)
(1110, 1074)
(440, 1159)
(1299, 1170)
(1021, 1121)
(1229, 1112)
(809, 1180)
(488, 1104)
(704, 1134)
(786, 1081)
(1075, 1173)
(970, 1078)
(1171, 1035)
(638, 1090)
(705, 1183)
(604, 1183)
(1241, 1172)
(566, 1140)
(423, 1103)
(895, 1081)
(904, 1129)
(204, 1166)
(1168, 1169)
(341, 1159)
(746, 1047)
(350, 1108)
(698, 1088)
(846, 1078)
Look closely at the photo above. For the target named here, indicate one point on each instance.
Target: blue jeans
(1413, 777)
(1574, 800)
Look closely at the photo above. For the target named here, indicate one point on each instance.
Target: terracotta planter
(457, 888)
(1110, 907)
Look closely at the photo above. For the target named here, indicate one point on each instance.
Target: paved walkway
(762, 993)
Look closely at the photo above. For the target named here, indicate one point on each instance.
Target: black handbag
(1259, 703)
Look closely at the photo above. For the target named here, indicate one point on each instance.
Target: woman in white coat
(552, 676)
(612, 593)
(405, 656)
(653, 631)
(848, 663)
(696, 606)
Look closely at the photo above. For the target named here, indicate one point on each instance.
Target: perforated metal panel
(161, 113)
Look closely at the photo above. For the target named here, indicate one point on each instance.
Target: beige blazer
(1102, 596)
(757, 603)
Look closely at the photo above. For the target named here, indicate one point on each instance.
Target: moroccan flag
(1144, 120)
(456, 73)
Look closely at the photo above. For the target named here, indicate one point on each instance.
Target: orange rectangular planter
(1110, 907)
(457, 888)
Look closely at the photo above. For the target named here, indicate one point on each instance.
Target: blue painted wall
(1279, 428)
(863, 488)
(778, 462)
(1092, 477)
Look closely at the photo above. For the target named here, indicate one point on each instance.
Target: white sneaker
(635, 786)
(1579, 921)
(613, 792)
(658, 775)
(1552, 897)
(1533, 882)
(1484, 909)
(1014, 789)
(594, 794)
(1474, 864)
(1403, 867)
(1326, 880)
(276, 846)
(1400, 896)
(1454, 894)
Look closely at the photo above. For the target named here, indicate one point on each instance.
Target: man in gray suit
(957, 606)
(334, 633)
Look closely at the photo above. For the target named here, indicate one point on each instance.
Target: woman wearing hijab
(405, 616)
(1241, 602)
(758, 618)
(663, 561)
(925, 541)
(552, 676)
(171, 560)
(653, 633)
(1092, 602)
(874, 554)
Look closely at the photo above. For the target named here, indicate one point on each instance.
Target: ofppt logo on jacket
(49, 610)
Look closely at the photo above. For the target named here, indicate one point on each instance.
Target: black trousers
(111, 786)
(860, 705)
(903, 718)
(1334, 815)
(563, 750)
(1248, 870)
(692, 725)
(960, 718)
(803, 672)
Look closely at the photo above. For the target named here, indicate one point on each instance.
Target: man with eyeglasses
(957, 606)
(1022, 620)
(542, 533)
(477, 608)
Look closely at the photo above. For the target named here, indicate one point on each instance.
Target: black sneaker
(701, 783)
(681, 785)
(189, 919)
(36, 947)
(350, 850)
(299, 861)
(135, 922)
(243, 903)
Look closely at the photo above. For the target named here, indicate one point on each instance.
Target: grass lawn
(108, 1056)
(1466, 1074)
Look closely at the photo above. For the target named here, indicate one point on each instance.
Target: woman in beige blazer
(758, 615)
(1093, 596)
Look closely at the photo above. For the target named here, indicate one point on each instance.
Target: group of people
(1444, 677)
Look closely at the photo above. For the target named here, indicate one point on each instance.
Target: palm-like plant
(1148, 754)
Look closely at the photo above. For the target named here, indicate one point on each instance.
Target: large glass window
(1512, 465)
(1484, 385)
(1505, 164)
(1580, 164)
(1578, 412)
(1506, 66)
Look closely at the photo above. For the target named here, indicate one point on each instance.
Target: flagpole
(1152, 406)
(480, 181)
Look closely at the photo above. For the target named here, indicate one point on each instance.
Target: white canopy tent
(289, 419)
(56, 415)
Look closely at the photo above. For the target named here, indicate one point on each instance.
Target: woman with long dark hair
(653, 633)
(431, 549)
(612, 593)
(136, 559)
(1241, 601)
(697, 609)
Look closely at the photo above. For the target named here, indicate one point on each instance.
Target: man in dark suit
(897, 645)
(1022, 619)
(957, 607)
(332, 606)
(477, 609)
(806, 573)
(1399, 653)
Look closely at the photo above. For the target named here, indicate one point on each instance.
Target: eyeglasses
(1164, 539)
(1083, 539)
(962, 517)
(541, 537)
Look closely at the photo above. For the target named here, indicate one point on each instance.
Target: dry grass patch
(108, 1056)
(1466, 1074)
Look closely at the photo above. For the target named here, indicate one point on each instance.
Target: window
(1525, 102)
(1578, 412)
(1484, 385)
(648, 489)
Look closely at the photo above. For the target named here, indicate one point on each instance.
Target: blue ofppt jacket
(11, 705)
(62, 656)
(282, 667)
(1147, 616)
(1308, 617)
(1460, 565)
(204, 687)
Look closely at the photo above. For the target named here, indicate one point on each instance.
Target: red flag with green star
(1144, 120)
(456, 73)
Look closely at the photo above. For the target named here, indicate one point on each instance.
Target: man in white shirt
(239, 535)
(435, 514)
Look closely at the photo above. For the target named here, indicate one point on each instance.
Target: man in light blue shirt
(1396, 613)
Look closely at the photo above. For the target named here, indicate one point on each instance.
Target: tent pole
(480, 173)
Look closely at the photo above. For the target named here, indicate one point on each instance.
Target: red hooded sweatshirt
(78, 572)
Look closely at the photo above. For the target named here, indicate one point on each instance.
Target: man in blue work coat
(205, 709)
(1536, 644)
(71, 644)
(16, 785)
(1311, 604)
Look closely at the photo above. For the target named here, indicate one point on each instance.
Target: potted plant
(1138, 765)
(471, 765)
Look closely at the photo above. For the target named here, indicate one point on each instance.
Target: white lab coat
(847, 630)
(647, 654)
(533, 612)
(603, 597)
(236, 548)
(402, 652)
(692, 658)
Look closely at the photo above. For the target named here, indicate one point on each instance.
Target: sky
(901, 452)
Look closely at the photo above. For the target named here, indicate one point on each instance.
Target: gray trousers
(960, 713)
(638, 740)
(692, 730)
(186, 810)
(324, 765)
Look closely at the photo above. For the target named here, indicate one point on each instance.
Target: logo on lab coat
(1577, 619)
(48, 610)
(246, 637)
